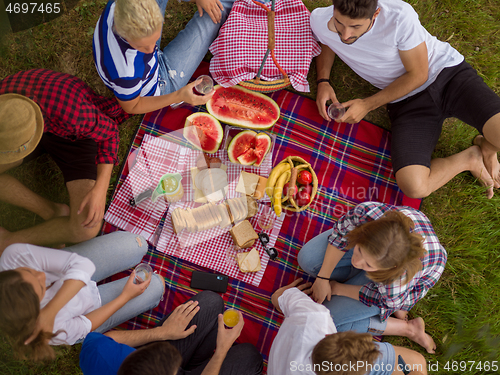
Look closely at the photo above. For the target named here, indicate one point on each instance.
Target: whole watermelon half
(241, 107)
(204, 132)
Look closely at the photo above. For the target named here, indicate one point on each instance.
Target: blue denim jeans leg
(347, 313)
(180, 58)
(113, 253)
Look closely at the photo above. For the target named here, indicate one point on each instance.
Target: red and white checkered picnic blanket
(242, 43)
(157, 156)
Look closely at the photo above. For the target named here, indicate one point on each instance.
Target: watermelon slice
(204, 132)
(263, 144)
(241, 143)
(248, 158)
(241, 107)
(249, 148)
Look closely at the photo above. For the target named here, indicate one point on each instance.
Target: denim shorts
(417, 121)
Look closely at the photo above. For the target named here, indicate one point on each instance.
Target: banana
(273, 177)
(278, 191)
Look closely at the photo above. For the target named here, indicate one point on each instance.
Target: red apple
(303, 198)
(285, 190)
(307, 188)
(304, 177)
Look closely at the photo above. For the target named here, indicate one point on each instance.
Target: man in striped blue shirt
(128, 58)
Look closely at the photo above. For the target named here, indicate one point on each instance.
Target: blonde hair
(393, 245)
(136, 19)
(342, 349)
(20, 307)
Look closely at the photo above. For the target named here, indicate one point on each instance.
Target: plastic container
(170, 187)
(232, 131)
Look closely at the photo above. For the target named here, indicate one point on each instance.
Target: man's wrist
(160, 333)
(321, 80)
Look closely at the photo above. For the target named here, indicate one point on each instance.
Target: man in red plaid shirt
(45, 111)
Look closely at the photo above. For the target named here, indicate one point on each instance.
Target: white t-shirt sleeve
(62, 264)
(72, 330)
(293, 301)
(409, 33)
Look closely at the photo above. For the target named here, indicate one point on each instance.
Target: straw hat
(21, 127)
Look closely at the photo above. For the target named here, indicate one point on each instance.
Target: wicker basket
(290, 203)
(257, 84)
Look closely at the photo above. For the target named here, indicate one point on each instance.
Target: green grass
(461, 311)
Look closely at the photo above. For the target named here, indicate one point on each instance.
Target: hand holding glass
(336, 111)
(204, 87)
(142, 273)
(231, 318)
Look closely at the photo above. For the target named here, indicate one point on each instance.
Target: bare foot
(418, 335)
(490, 159)
(479, 170)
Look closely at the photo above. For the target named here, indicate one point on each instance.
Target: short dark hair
(158, 358)
(341, 350)
(356, 9)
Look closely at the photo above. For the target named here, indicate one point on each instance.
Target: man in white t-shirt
(422, 80)
(307, 343)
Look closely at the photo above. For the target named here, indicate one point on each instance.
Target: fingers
(82, 206)
(188, 307)
(294, 283)
(200, 10)
(32, 337)
(322, 109)
(304, 286)
(215, 12)
(189, 331)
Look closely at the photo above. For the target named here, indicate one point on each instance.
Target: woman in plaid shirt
(378, 260)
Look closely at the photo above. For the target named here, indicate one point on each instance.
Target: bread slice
(249, 261)
(243, 234)
(176, 222)
(225, 218)
(252, 206)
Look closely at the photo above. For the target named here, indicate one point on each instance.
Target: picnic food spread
(241, 107)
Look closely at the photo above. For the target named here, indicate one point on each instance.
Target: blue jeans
(113, 253)
(180, 58)
(348, 314)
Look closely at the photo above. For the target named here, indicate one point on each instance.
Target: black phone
(209, 281)
(402, 365)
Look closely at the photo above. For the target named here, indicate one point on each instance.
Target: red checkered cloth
(242, 43)
(160, 155)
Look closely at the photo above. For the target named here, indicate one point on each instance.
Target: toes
(489, 192)
(477, 140)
